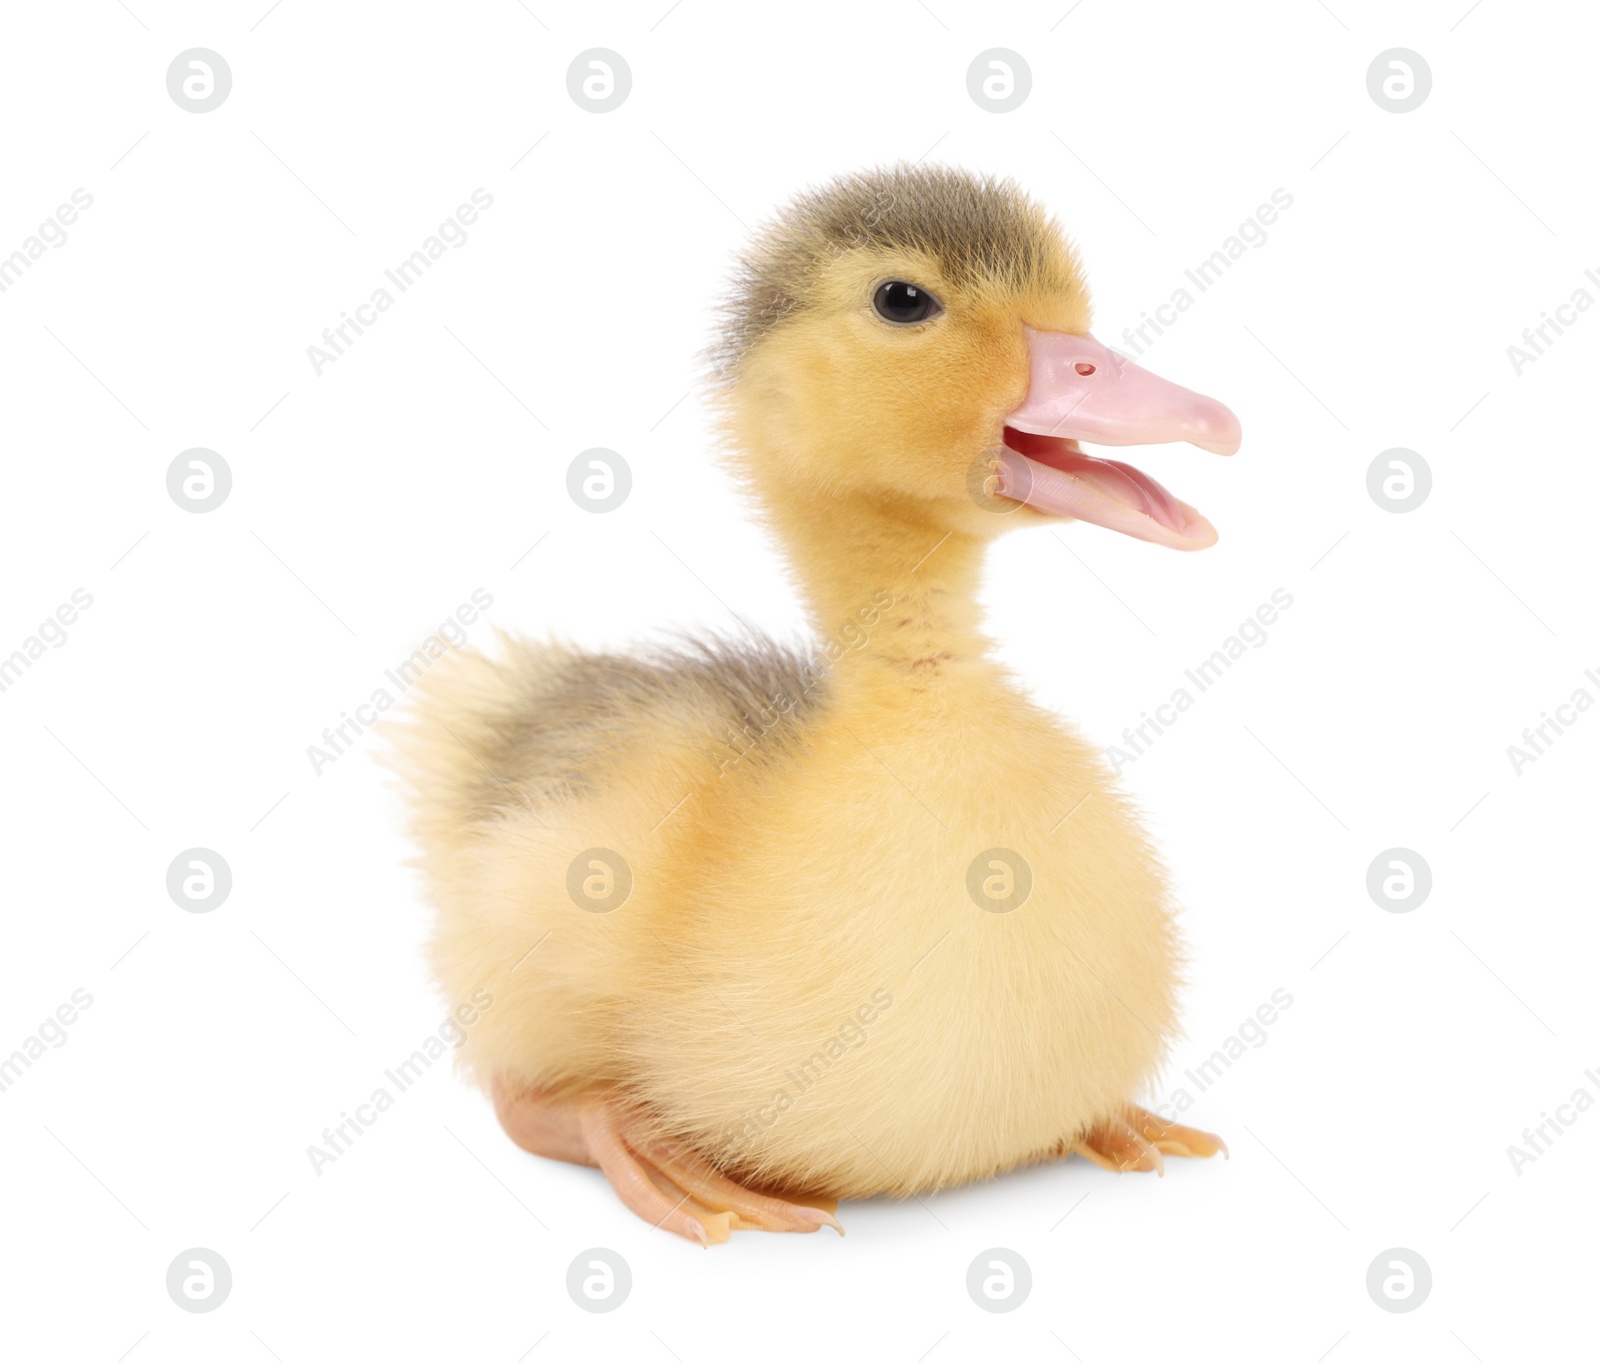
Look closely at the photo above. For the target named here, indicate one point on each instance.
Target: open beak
(1080, 390)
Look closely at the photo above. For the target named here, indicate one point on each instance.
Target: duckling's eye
(904, 304)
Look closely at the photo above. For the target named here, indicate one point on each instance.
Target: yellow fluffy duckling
(766, 928)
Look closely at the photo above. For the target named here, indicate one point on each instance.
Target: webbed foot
(1136, 1141)
(666, 1182)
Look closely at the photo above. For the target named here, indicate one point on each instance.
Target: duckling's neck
(887, 587)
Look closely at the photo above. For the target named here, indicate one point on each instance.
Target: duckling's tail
(465, 743)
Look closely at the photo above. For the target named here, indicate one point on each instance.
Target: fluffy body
(802, 829)
(781, 890)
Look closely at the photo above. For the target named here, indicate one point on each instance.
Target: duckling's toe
(666, 1182)
(675, 1187)
(693, 1173)
(1136, 1142)
(1118, 1146)
(632, 1178)
(1172, 1139)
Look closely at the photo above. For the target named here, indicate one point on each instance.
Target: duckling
(769, 927)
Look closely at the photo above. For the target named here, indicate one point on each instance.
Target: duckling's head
(919, 337)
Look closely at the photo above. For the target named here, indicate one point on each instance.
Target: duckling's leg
(664, 1181)
(1136, 1141)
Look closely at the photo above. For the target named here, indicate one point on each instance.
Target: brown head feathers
(978, 227)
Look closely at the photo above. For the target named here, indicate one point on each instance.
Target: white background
(369, 502)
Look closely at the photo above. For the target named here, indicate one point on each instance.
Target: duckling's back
(545, 725)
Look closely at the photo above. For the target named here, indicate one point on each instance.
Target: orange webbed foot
(1136, 1141)
(664, 1181)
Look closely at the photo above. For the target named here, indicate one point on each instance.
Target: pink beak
(1080, 390)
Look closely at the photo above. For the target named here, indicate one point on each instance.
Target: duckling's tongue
(1058, 478)
(1079, 389)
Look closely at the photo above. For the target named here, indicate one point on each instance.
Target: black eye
(904, 304)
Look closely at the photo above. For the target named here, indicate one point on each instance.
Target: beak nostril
(1084, 368)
